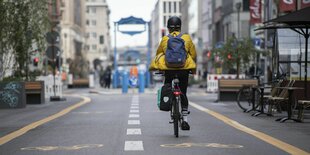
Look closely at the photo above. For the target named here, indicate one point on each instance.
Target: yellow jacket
(158, 63)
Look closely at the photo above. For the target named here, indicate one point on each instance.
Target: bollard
(125, 82)
(141, 82)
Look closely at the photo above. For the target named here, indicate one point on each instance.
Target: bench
(80, 83)
(35, 93)
(229, 88)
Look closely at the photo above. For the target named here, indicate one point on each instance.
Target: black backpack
(165, 96)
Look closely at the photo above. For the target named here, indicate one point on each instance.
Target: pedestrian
(107, 78)
(101, 77)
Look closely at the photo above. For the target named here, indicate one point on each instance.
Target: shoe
(185, 126)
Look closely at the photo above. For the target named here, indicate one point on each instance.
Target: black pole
(306, 62)
(54, 67)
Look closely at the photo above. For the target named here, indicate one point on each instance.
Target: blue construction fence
(125, 81)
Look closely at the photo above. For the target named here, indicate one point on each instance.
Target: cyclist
(158, 63)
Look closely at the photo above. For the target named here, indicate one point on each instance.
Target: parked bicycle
(249, 96)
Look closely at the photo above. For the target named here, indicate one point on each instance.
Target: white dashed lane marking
(134, 131)
(134, 115)
(133, 146)
(134, 111)
(133, 122)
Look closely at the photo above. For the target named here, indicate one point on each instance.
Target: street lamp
(238, 7)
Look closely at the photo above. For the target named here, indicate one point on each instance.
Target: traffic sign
(52, 52)
(52, 37)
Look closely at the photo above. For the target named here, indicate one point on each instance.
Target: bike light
(177, 93)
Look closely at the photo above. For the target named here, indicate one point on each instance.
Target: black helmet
(174, 22)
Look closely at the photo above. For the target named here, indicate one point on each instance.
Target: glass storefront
(291, 54)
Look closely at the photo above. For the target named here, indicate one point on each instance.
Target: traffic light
(163, 32)
(35, 61)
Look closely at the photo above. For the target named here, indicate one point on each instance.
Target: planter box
(12, 95)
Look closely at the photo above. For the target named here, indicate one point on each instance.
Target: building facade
(98, 43)
(72, 31)
(160, 15)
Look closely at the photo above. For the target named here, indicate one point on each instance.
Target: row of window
(172, 7)
(166, 18)
(94, 48)
(94, 35)
(93, 22)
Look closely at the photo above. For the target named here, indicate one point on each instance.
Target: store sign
(255, 11)
(287, 5)
(305, 3)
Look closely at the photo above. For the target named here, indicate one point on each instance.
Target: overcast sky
(125, 8)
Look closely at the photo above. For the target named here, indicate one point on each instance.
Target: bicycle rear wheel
(245, 98)
(176, 116)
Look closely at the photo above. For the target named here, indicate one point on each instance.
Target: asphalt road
(113, 123)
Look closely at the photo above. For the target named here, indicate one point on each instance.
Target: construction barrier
(212, 80)
(49, 83)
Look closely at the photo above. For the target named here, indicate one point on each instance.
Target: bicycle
(250, 97)
(175, 113)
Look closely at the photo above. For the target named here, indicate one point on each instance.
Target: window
(180, 6)
(93, 22)
(164, 7)
(101, 39)
(175, 7)
(87, 35)
(94, 34)
(87, 22)
(165, 21)
(169, 7)
(93, 10)
(94, 47)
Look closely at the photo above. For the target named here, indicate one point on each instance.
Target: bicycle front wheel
(244, 98)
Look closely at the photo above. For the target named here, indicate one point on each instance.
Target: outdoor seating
(229, 88)
(302, 105)
(35, 93)
(274, 102)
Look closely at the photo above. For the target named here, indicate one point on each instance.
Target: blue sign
(133, 21)
(133, 81)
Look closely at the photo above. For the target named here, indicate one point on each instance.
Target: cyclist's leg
(183, 78)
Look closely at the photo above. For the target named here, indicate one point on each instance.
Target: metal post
(306, 61)
(115, 75)
(148, 76)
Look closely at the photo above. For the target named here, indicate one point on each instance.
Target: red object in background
(35, 61)
(229, 56)
(163, 32)
(305, 3)
(255, 11)
(287, 5)
(209, 54)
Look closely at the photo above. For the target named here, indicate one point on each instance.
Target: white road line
(134, 104)
(134, 111)
(133, 146)
(134, 107)
(134, 115)
(133, 122)
(134, 131)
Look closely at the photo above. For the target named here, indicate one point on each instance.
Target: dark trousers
(183, 78)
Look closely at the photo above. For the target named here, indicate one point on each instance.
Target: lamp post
(238, 7)
(115, 75)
